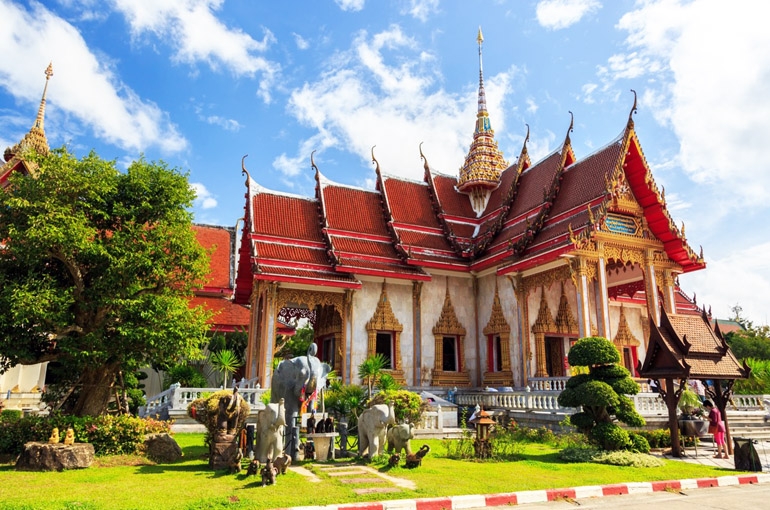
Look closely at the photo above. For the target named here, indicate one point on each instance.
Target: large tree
(96, 269)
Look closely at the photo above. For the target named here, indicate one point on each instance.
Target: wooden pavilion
(686, 347)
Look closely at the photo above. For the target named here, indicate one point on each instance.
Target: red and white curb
(542, 496)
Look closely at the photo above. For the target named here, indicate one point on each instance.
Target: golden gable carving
(385, 320)
(624, 335)
(565, 321)
(544, 322)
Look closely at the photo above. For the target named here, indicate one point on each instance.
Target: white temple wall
(364, 303)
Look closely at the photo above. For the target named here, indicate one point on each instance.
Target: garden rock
(55, 457)
(162, 448)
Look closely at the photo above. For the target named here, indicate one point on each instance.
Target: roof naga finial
(424, 159)
(243, 169)
(526, 138)
(312, 162)
(633, 110)
(374, 160)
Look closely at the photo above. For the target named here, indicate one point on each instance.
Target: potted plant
(691, 421)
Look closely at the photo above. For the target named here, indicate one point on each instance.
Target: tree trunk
(95, 390)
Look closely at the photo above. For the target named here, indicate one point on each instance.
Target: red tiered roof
(218, 289)
(536, 215)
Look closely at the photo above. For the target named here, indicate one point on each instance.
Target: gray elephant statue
(270, 423)
(399, 436)
(297, 381)
(372, 428)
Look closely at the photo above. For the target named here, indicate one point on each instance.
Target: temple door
(554, 359)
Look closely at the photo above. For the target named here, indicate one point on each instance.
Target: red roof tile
(219, 241)
(226, 313)
(410, 203)
(532, 182)
(354, 210)
(286, 216)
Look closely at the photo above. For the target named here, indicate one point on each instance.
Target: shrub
(10, 415)
(610, 436)
(632, 459)
(639, 443)
(407, 404)
(579, 453)
(186, 375)
(591, 351)
(110, 435)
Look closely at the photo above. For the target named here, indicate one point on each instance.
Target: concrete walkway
(704, 455)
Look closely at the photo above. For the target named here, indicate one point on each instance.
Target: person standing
(716, 427)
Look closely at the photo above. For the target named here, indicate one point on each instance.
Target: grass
(131, 482)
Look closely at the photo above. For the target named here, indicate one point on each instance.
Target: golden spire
(480, 173)
(34, 140)
(41, 111)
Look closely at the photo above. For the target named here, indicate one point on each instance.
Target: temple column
(267, 339)
(541, 370)
(669, 298)
(522, 309)
(603, 309)
(584, 312)
(417, 333)
(347, 307)
(650, 287)
(252, 346)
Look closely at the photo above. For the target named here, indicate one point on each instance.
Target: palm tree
(225, 361)
(371, 370)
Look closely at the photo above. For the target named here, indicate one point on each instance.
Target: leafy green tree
(225, 362)
(601, 393)
(371, 369)
(96, 270)
(753, 342)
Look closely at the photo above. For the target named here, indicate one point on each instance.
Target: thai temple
(479, 279)
(483, 278)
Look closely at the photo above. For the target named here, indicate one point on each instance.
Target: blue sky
(200, 83)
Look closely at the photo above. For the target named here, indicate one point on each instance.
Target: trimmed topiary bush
(639, 443)
(601, 393)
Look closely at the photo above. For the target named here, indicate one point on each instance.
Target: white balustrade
(177, 399)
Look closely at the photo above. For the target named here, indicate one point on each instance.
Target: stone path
(364, 475)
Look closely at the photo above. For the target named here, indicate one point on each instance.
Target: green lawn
(124, 483)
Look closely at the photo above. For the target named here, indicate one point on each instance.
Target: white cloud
(395, 106)
(558, 14)
(350, 5)
(203, 199)
(81, 87)
(301, 42)
(708, 68)
(227, 124)
(729, 279)
(197, 35)
(421, 9)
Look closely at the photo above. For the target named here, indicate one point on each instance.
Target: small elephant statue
(399, 436)
(270, 423)
(372, 429)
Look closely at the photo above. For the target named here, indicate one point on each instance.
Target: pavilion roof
(686, 347)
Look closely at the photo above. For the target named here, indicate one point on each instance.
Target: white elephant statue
(270, 423)
(399, 436)
(372, 428)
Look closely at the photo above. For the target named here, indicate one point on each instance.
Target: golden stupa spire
(480, 173)
(34, 140)
(40, 120)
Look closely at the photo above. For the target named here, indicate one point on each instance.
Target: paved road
(715, 498)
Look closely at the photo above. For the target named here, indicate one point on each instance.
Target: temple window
(384, 346)
(328, 350)
(494, 353)
(449, 354)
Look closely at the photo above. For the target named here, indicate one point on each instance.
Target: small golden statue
(70, 437)
(54, 439)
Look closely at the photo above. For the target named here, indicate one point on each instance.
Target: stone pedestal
(223, 450)
(55, 457)
(324, 444)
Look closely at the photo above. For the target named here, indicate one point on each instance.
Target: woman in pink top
(717, 427)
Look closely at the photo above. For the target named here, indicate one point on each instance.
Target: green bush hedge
(110, 435)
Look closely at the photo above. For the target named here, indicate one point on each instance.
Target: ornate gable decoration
(384, 319)
(565, 321)
(497, 323)
(448, 324)
(544, 322)
(624, 335)
(623, 200)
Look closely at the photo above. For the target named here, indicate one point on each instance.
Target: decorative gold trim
(498, 326)
(449, 325)
(565, 321)
(385, 320)
(624, 336)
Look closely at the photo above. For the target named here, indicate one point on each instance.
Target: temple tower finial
(480, 173)
(40, 120)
